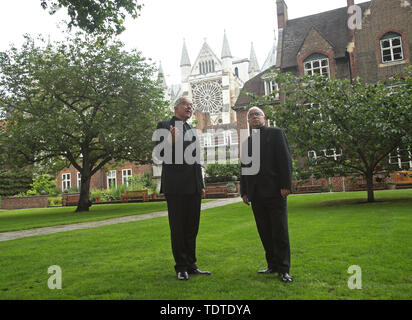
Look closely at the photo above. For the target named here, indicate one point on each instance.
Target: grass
(21, 219)
(328, 232)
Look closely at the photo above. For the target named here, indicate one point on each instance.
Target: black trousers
(272, 224)
(184, 216)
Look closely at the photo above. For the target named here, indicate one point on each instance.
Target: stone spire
(271, 59)
(185, 61)
(161, 76)
(225, 48)
(253, 63)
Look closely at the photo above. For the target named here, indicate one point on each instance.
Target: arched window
(200, 68)
(213, 65)
(317, 63)
(391, 47)
(237, 72)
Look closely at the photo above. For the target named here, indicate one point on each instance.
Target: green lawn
(11, 220)
(328, 232)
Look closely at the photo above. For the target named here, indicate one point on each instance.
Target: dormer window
(391, 47)
(271, 86)
(317, 63)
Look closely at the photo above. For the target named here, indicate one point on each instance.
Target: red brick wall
(315, 43)
(24, 202)
(385, 16)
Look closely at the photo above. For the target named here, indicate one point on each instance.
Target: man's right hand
(174, 132)
(245, 199)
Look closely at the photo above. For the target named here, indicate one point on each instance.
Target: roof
(184, 61)
(254, 85)
(225, 48)
(331, 24)
(253, 64)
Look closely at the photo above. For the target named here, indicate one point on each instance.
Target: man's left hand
(284, 192)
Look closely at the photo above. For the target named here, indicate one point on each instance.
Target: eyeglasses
(187, 104)
(253, 114)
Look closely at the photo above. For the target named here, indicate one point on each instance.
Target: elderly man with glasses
(182, 184)
(268, 189)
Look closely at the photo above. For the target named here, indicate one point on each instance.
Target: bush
(15, 181)
(142, 182)
(55, 201)
(222, 172)
(96, 193)
(115, 193)
(41, 183)
(112, 194)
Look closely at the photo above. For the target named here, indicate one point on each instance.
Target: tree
(78, 102)
(357, 124)
(96, 16)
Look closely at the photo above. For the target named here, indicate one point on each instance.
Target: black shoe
(197, 271)
(286, 277)
(182, 275)
(266, 271)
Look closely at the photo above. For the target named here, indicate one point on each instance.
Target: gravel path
(12, 235)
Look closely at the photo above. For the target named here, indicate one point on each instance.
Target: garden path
(12, 235)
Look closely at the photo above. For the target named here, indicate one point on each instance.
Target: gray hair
(257, 108)
(177, 102)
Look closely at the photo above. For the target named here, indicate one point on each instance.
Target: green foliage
(79, 103)
(94, 16)
(96, 194)
(42, 183)
(55, 201)
(142, 182)
(221, 172)
(111, 194)
(16, 181)
(362, 122)
(115, 193)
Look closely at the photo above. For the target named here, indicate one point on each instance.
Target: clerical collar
(177, 119)
(258, 129)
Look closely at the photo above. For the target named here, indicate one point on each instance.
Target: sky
(163, 24)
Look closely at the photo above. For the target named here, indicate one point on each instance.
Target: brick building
(371, 40)
(103, 179)
(376, 46)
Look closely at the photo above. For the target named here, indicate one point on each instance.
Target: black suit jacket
(275, 171)
(183, 178)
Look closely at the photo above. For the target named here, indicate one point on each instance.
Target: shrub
(115, 193)
(96, 193)
(143, 181)
(221, 172)
(15, 181)
(41, 183)
(55, 201)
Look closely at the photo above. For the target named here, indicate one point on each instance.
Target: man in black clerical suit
(182, 184)
(267, 190)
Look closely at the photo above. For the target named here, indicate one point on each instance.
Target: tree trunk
(84, 202)
(369, 182)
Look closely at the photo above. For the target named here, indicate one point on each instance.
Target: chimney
(282, 10)
(350, 3)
